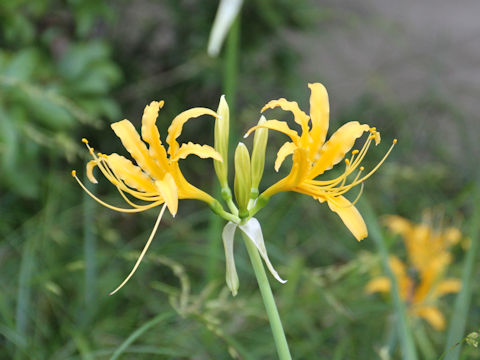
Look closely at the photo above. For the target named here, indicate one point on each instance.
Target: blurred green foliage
(54, 76)
(69, 67)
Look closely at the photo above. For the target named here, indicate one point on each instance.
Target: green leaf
(406, 339)
(461, 308)
(22, 64)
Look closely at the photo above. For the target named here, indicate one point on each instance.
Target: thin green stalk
(424, 344)
(268, 300)
(230, 70)
(139, 332)
(462, 302)
(24, 293)
(89, 251)
(405, 335)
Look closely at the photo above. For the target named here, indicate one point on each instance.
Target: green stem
(268, 300)
(230, 69)
(407, 343)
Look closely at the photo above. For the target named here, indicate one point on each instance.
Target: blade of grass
(24, 293)
(139, 332)
(405, 335)
(458, 321)
(89, 251)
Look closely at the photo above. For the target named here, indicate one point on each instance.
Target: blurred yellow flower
(424, 244)
(156, 179)
(312, 156)
(423, 281)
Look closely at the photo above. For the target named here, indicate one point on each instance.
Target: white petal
(228, 235)
(253, 230)
(226, 13)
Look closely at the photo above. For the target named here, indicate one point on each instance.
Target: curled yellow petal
(136, 147)
(379, 284)
(433, 316)
(175, 128)
(168, 189)
(334, 150)
(132, 175)
(276, 125)
(90, 166)
(150, 133)
(404, 282)
(203, 151)
(286, 149)
(452, 236)
(349, 215)
(397, 224)
(448, 286)
(299, 116)
(319, 114)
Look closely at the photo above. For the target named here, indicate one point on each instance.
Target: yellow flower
(424, 243)
(156, 179)
(419, 295)
(312, 156)
(423, 282)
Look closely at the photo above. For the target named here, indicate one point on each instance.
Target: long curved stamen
(370, 173)
(131, 203)
(340, 190)
(352, 165)
(359, 194)
(144, 251)
(116, 208)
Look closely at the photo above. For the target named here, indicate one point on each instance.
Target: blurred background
(70, 68)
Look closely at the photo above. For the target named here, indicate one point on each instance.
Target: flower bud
(243, 179)
(221, 141)
(258, 156)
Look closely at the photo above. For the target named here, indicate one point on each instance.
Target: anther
(373, 129)
(355, 152)
(394, 141)
(347, 161)
(85, 141)
(74, 173)
(362, 168)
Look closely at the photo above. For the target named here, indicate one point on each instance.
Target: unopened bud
(258, 155)
(243, 179)
(221, 133)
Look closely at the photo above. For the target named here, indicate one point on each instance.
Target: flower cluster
(156, 178)
(422, 282)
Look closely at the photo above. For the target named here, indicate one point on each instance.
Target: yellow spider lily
(419, 294)
(424, 244)
(422, 283)
(156, 179)
(312, 156)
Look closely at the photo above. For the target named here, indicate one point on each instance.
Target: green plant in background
(55, 241)
(422, 282)
(157, 179)
(52, 79)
